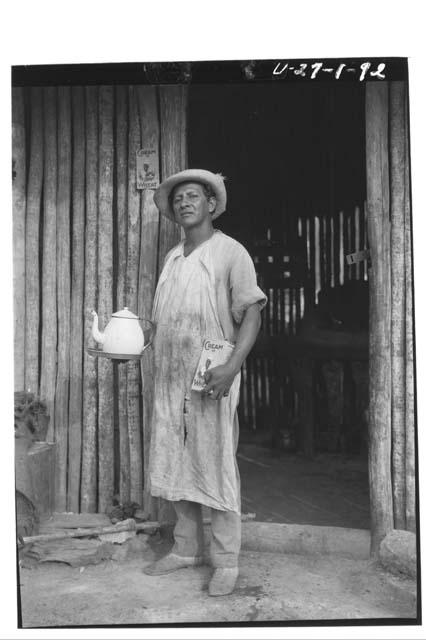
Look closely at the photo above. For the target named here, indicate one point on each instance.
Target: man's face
(190, 205)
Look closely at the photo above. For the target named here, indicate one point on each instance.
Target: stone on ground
(397, 552)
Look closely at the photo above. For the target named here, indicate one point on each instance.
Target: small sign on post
(147, 169)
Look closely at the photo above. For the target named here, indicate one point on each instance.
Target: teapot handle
(151, 337)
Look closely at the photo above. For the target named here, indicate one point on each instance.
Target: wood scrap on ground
(72, 526)
(118, 538)
(82, 539)
(79, 540)
(72, 532)
(75, 552)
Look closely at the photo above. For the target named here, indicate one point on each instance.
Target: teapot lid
(125, 313)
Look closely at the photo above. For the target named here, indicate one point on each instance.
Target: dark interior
(287, 150)
(294, 159)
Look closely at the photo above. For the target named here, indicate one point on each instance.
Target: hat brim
(214, 180)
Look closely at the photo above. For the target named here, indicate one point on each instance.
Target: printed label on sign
(214, 353)
(147, 169)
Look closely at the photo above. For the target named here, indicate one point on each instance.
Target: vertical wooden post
(32, 232)
(121, 164)
(173, 126)
(133, 248)
(63, 295)
(346, 245)
(380, 312)
(312, 263)
(148, 271)
(49, 307)
(397, 203)
(342, 268)
(318, 283)
(105, 285)
(19, 205)
(328, 248)
(357, 240)
(173, 104)
(362, 240)
(352, 240)
(90, 368)
(322, 252)
(331, 255)
(410, 417)
(77, 301)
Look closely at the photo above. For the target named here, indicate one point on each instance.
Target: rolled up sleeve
(243, 285)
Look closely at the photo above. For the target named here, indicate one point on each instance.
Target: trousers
(188, 534)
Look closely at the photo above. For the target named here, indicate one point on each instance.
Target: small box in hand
(214, 353)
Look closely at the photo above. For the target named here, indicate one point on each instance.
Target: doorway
(294, 159)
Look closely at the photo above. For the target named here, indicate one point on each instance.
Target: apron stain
(186, 404)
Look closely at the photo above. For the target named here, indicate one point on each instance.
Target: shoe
(170, 563)
(223, 581)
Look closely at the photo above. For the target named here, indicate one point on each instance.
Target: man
(207, 290)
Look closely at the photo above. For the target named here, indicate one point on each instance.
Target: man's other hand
(218, 381)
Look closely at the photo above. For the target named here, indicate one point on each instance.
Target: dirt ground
(279, 487)
(271, 587)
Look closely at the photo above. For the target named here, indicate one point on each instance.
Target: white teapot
(123, 333)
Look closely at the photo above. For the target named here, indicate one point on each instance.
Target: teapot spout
(97, 335)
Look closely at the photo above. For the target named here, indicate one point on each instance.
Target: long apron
(193, 438)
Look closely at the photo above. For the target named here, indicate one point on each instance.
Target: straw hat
(214, 180)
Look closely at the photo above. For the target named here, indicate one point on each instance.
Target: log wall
(19, 207)
(86, 238)
(392, 423)
(380, 439)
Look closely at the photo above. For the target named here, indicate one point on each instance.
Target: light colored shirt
(235, 280)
